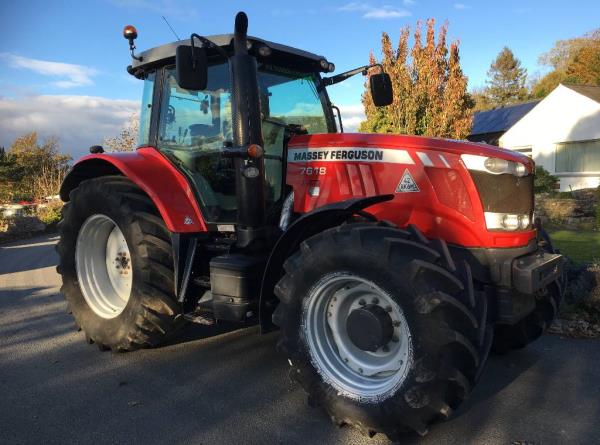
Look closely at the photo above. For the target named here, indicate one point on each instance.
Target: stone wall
(574, 210)
(20, 227)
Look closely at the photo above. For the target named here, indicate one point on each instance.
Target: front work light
(506, 221)
(494, 166)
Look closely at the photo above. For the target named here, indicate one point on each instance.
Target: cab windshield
(195, 125)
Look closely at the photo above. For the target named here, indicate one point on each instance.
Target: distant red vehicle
(392, 264)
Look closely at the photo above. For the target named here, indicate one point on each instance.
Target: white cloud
(78, 121)
(461, 6)
(369, 11)
(72, 75)
(352, 116)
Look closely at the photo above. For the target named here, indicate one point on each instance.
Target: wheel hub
(357, 336)
(370, 327)
(104, 266)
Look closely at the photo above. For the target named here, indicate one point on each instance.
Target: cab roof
(165, 54)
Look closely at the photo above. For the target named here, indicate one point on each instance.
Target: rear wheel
(117, 266)
(381, 327)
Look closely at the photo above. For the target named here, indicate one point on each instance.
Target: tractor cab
(194, 128)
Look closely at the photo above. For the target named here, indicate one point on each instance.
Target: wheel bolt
(346, 360)
(360, 370)
(396, 324)
(329, 314)
(362, 302)
(385, 348)
(395, 339)
(375, 300)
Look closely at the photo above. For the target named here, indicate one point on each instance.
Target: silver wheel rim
(104, 268)
(354, 373)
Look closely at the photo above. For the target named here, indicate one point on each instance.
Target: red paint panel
(454, 213)
(164, 184)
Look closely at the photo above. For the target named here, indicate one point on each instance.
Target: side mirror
(191, 67)
(381, 89)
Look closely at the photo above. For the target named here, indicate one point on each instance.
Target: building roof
(500, 119)
(593, 92)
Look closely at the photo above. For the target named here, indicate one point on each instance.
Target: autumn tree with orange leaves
(430, 89)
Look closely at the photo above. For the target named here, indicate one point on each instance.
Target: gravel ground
(233, 388)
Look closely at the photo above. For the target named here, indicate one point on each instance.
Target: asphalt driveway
(234, 388)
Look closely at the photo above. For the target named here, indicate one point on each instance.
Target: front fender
(152, 172)
(307, 225)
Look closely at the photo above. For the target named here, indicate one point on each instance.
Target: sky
(62, 63)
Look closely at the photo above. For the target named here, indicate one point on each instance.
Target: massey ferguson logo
(342, 155)
(349, 154)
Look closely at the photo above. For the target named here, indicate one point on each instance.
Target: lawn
(581, 247)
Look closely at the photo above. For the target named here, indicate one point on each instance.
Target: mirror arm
(207, 43)
(346, 75)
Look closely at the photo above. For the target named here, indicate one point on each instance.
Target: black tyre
(381, 272)
(528, 330)
(117, 266)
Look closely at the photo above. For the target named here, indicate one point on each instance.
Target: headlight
(495, 166)
(506, 221)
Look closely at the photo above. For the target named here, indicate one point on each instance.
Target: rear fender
(153, 173)
(307, 225)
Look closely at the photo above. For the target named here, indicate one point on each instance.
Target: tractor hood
(391, 141)
(439, 185)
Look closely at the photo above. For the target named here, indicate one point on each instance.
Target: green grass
(581, 247)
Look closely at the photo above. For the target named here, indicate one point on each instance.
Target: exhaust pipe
(247, 130)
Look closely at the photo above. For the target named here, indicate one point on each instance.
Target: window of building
(578, 157)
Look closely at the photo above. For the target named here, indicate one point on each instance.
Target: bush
(598, 209)
(50, 214)
(544, 182)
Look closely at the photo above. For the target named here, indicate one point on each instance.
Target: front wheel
(116, 264)
(381, 327)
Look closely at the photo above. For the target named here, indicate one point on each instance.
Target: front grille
(504, 193)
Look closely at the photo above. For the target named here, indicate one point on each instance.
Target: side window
(195, 120)
(146, 111)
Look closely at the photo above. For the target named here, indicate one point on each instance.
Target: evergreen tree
(430, 96)
(506, 80)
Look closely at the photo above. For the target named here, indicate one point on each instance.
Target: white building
(562, 134)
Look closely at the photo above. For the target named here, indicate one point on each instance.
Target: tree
(127, 140)
(506, 80)
(481, 100)
(430, 96)
(574, 61)
(33, 170)
(8, 175)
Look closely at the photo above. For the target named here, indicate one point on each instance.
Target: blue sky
(83, 39)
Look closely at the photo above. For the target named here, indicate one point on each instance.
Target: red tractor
(391, 264)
